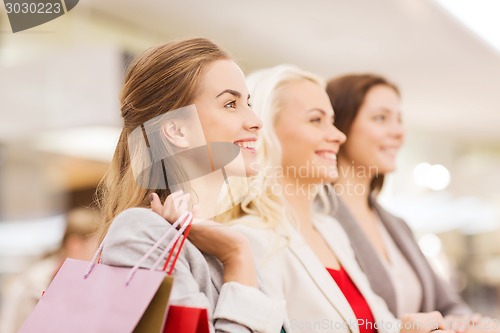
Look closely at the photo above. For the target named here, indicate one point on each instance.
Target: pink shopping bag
(88, 297)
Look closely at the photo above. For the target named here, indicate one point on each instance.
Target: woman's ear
(175, 134)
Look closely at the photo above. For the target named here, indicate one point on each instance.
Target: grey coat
(198, 279)
(437, 294)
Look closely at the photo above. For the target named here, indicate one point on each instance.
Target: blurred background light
(434, 177)
(91, 142)
(480, 16)
(430, 245)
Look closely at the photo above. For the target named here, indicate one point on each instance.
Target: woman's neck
(300, 197)
(205, 192)
(353, 185)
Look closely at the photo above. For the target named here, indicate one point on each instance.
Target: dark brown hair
(347, 94)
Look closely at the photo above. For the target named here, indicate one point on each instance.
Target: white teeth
(390, 150)
(247, 144)
(330, 156)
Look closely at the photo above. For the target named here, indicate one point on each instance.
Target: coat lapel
(366, 254)
(322, 279)
(410, 251)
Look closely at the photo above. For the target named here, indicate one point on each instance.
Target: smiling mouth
(331, 156)
(391, 150)
(247, 145)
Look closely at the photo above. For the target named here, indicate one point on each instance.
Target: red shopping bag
(186, 320)
(92, 297)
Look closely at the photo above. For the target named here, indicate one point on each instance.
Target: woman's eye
(316, 120)
(231, 105)
(380, 117)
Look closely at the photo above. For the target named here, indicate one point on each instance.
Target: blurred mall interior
(59, 112)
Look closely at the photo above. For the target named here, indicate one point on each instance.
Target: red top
(366, 322)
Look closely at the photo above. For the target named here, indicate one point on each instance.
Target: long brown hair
(347, 93)
(162, 79)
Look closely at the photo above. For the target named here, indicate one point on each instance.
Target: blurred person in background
(80, 241)
(368, 110)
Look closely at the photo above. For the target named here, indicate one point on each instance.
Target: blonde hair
(266, 88)
(162, 79)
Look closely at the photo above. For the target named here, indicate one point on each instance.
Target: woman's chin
(329, 175)
(384, 168)
(329, 179)
(252, 168)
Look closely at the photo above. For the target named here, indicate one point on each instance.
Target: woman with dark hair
(368, 110)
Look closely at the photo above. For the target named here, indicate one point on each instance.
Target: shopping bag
(186, 320)
(92, 297)
(154, 316)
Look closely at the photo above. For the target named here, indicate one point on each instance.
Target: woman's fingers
(156, 204)
(175, 204)
(423, 322)
(196, 210)
(461, 324)
(169, 205)
(475, 318)
(180, 204)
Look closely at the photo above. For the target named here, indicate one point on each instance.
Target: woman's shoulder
(269, 243)
(137, 219)
(133, 232)
(252, 226)
(392, 221)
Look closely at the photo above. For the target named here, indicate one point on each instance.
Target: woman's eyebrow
(325, 113)
(229, 91)
(317, 109)
(386, 110)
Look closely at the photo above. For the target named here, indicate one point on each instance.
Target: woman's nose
(253, 122)
(335, 135)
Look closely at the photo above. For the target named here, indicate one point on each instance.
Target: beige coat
(291, 271)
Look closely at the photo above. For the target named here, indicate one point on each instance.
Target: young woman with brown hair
(368, 110)
(185, 108)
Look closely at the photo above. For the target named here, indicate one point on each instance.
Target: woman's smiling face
(309, 140)
(224, 110)
(377, 133)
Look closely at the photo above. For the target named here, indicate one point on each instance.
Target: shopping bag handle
(169, 249)
(186, 216)
(184, 220)
(172, 266)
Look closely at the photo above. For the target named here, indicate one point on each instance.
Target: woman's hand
(173, 207)
(424, 323)
(481, 325)
(460, 323)
(229, 246)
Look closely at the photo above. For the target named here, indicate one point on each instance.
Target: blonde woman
(324, 287)
(185, 110)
